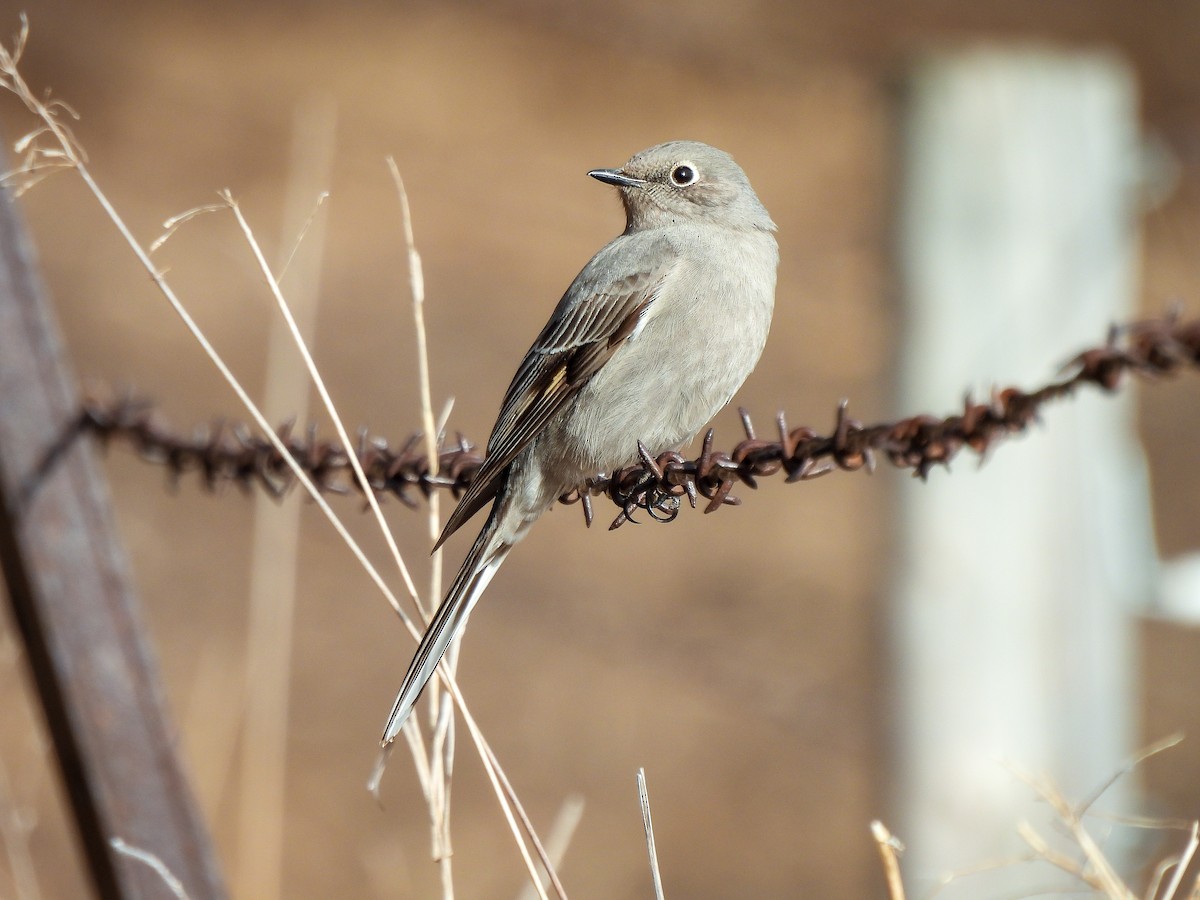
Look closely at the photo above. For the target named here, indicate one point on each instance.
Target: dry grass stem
(11, 80)
(417, 289)
(1130, 764)
(304, 229)
(1043, 851)
(648, 826)
(174, 223)
(1180, 865)
(442, 743)
(1102, 875)
(510, 805)
(890, 849)
(1086, 861)
(37, 158)
(276, 539)
(440, 762)
(1099, 873)
(562, 830)
(442, 724)
(69, 154)
(1145, 822)
(322, 392)
(944, 881)
(526, 824)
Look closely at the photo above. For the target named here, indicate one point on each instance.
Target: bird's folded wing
(593, 320)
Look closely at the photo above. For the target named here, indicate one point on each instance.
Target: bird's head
(684, 182)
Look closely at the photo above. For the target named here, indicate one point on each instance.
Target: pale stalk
(1184, 861)
(503, 791)
(561, 832)
(439, 807)
(21, 89)
(270, 627)
(648, 827)
(319, 384)
(889, 850)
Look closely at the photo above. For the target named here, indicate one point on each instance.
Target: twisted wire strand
(225, 452)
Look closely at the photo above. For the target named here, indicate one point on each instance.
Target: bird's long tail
(483, 559)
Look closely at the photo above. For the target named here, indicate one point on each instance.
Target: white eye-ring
(684, 174)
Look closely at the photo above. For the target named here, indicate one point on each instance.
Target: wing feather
(593, 320)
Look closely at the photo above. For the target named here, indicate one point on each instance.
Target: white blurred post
(1016, 586)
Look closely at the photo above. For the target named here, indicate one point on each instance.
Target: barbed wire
(224, 452)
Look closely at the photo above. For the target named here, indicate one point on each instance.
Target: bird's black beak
(616, 177)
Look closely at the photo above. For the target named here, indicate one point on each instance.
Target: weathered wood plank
(72, 599)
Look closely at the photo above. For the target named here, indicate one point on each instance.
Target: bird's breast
(689, 354)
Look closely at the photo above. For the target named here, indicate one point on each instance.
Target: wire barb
(224, 453)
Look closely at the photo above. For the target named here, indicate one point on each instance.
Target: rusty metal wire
(229, 453)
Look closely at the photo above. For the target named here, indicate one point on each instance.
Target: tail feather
(483, 559)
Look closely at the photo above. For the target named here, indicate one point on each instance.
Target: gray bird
(652, 338)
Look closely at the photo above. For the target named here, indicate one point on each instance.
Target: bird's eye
(684, 174)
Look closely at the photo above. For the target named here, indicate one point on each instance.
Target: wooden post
(73, 603)
(1014, 597)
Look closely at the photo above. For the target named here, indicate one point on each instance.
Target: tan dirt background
(736, 657)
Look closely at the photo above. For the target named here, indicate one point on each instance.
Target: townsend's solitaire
(650, 340)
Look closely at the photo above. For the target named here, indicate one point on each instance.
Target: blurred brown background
(736, 656)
